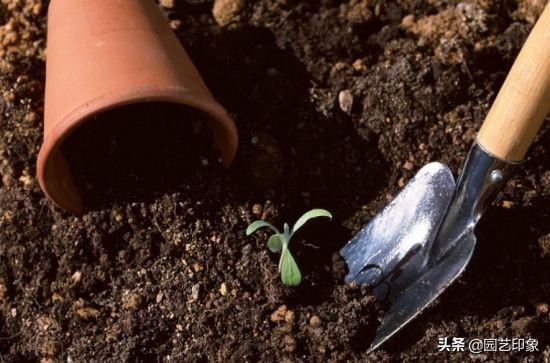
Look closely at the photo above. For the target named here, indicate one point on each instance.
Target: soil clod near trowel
(171, 273)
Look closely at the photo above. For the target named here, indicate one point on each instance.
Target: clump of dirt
(337, 105)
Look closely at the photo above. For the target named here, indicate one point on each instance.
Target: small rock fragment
(83, 311)
(345, 99)
(159, 297)
(37, 8)
(225, 11)
(257, 209)
(407, 21)
(195, 292)
(279, 314)
(359, 65)
(315, 321)
(542, 308)
(401, 183)
(175, 24)
(507, 204)
(169, 4)
(76, 277)
(223, 289)
(25, 178)
(131, 301)
(87, 313)
(408, 165)
(31, 117)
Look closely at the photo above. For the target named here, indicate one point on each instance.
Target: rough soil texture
(338, 103)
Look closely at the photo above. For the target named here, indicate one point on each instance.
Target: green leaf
(254, 226)
(290, 273)
(275, 242)
(314, 213)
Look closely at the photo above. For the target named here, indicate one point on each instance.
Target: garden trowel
(423, 240)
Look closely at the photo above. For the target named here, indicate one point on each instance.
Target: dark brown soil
(338, 103)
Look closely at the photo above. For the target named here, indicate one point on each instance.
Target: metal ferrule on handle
(483, 177)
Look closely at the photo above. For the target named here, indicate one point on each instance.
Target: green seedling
(278, 242)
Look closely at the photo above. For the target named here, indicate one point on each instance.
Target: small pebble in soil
(407, 165)
(225, 11)
(407, 21)
(359, 65)
(195, 292)
(315, 321)
(175, 24)
(401, 182)
(83, 311)
(117, 216)
(507, 204)
(257, 209)
(76, 277)
(542, 308)
(167, 3)
(223, 289)
(131, 301)
(26, 179)
(159, 297)
(279, 315)
(31, 117)
(345, 99)
(87, 313)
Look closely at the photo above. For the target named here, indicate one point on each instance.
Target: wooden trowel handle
(524, 99)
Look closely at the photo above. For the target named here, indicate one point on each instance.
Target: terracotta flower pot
(105, 54)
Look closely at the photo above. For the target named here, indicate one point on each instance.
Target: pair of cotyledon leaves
(278, 242)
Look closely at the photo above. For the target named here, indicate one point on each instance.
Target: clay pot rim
(147, 94)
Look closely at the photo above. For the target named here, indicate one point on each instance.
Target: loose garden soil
(338, 104)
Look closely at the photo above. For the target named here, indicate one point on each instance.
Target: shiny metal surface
(422, 241)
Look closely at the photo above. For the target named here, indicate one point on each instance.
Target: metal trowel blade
(393, 243)
(391, 253)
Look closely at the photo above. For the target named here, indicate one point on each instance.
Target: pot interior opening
(135, 152)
